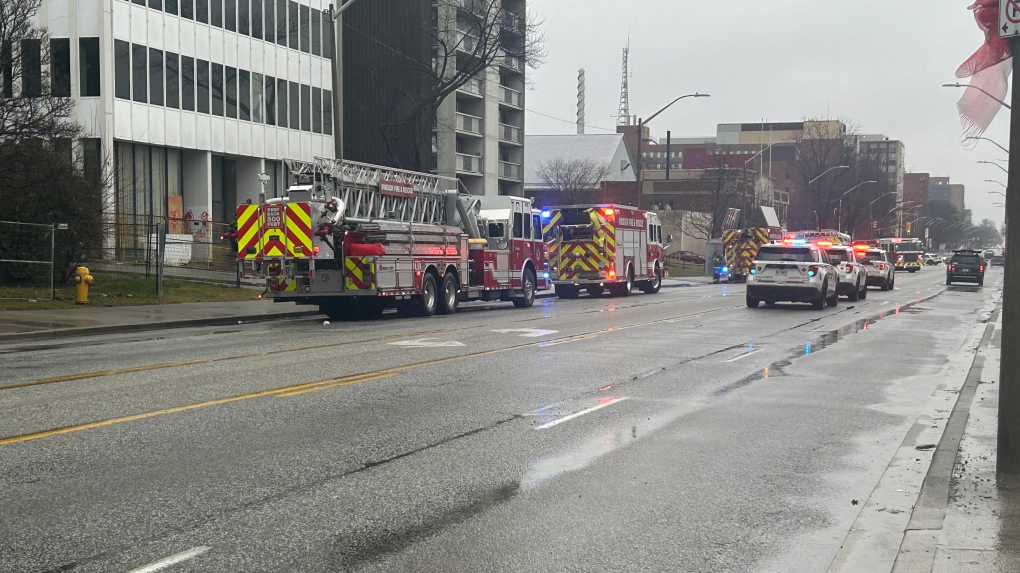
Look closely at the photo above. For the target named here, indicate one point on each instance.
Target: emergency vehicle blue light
(545, 275)
(546, 214)
(800, 242)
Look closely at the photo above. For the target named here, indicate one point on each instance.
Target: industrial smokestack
(580, 101)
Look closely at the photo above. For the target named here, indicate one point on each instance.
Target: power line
(571, 121)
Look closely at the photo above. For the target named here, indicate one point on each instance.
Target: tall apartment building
(192, 99)
(394, 52)
(941, 189)
(479, 135)
(890, 155)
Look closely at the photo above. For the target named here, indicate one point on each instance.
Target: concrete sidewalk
(23, 325)
(971, 521)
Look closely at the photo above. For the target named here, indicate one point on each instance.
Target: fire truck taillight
(612, 274)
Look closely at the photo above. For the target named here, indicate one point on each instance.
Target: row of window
(30, 54)
(284, 22)
(148, 75)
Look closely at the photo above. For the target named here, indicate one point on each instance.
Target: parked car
(931, 259)
(689, 257)
(881, 272)
(998, 261)
(792, 273)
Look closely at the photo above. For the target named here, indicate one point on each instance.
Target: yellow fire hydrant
(82, 280)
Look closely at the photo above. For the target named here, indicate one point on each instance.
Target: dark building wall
(387, 56)
(915, 187)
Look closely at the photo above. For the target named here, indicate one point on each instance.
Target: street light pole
(959, 85)
(839, 226)
(1008, 452)
(976, 138)
(336, 59)
(995, 164)
(819, 176)
(641, 138)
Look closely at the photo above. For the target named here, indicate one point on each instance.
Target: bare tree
(573, 181)
(40, 182)
(705, 200)
(464, 41)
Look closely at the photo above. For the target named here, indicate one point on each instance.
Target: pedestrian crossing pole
(1008, 459)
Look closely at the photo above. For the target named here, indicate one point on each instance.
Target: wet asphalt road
(674, 432)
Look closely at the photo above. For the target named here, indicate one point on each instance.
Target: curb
(123, 328)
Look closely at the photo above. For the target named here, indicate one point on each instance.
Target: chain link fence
(35, 260)
(27, 253)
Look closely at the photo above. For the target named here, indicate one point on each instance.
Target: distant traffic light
(874, 225)
(909, 226)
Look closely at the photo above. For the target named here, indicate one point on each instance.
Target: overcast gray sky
(879, 63)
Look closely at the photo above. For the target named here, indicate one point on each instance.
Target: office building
(190, 100)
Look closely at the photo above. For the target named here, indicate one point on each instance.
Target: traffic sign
(1009, 18)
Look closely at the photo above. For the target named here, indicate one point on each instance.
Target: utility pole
(336, 59)
(1008, 459)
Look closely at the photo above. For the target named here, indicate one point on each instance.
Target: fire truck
(604, 247)
(906, 254)
(740, 247)
(355, 239)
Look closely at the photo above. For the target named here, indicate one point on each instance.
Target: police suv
(794, 271)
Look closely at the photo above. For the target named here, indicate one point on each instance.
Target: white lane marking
(743, 356)
(581, 413)
(172, 560)
(427, 343)
(527, 332)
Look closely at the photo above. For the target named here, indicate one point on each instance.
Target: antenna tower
(623, 117)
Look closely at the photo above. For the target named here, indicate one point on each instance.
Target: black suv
(966, 266)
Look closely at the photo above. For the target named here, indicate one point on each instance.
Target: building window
(256, 19)
(187, 83)
(270, 106)
(156, 4)
(216, 13)
(88, 67)
(242, 16)
(188, 9)
(31, 68)
(292, 25)
(171, 7)
(244, 95)
(202, 81)
(306, 39)
(230, 15)
(327, 38)
(327, 112)
(316, 25)
(231, 95)
(256, 97)
(122, 69)
(281, 103)
(269, 19)
(139, 2)
(306, 108)
(139, 67)
(202, 11)
(173, 81)
(92, 159)
(316, 110)
(7, 63)
(295, 106)
(281, 22)
(155, 76)
(217, 89)
(60, 67)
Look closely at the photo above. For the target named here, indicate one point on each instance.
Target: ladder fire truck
(604, 247)
(355, 239)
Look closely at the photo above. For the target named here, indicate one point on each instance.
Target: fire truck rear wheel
(449, 295)
(653, 286)
(596, 290)
(428, 300)
(527, 289)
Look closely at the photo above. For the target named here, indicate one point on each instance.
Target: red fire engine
(604, 247)
(354, 239)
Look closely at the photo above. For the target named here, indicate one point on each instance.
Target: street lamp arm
(995, 164)
(334, 13)
(994, 181)
(959, 85)
(882, 197)
(975, 138)
(824, 173)
(667, 106)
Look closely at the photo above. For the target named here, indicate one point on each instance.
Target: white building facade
(191, 100)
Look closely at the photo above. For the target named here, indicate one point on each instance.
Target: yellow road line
(297, 389)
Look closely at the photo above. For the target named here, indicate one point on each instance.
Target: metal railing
(27, 254)
(510, 133)
(509, 170)
(469, 124)
(509, 96)
(473, 86)
(469, 163)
